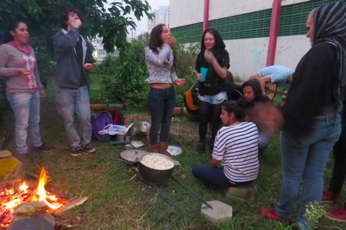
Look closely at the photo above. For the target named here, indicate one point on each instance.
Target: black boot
(211, 147)
(200, 149)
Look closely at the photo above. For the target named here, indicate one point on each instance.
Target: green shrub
(179, 101)
(107, 67)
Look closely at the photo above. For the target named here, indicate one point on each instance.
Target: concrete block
(219, 213)
(243, 193)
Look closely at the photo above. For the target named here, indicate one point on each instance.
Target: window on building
(102, 52)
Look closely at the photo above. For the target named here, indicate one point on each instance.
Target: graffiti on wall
(247, 56)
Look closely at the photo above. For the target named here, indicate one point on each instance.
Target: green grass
(111, 204)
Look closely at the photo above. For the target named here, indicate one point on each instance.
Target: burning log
(29, 201)
(71, 205)
(11, 182)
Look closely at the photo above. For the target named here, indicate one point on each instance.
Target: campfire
(11, 198)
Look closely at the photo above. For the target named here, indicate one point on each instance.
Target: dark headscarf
(330, 28)
(259, 97)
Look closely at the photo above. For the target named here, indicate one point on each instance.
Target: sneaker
(88, 148)
(330, 196)
(76, 151)
(271, 214)
(338, 215)
(43, 148)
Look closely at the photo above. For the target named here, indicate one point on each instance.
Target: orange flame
(23, 188)
(12, 198)
(41, 191)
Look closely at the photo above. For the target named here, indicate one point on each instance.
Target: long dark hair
(12, 26)
(218, 42)
(156, 41)
(232, 106)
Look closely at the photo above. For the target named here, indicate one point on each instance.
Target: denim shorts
(215, 99)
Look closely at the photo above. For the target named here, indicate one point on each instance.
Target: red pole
(274, 31)
(206, 15)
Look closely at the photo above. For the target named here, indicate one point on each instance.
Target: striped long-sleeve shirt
(237, 148)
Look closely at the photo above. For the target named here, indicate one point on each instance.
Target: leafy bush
(128, 85)
(179, 101)
(108, 66)
(187, 54)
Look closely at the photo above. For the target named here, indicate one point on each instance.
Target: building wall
(245, 25)
(162, 16)
(186, 12)
(247, 56)
(290, 49)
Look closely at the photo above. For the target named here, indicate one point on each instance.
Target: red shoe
(269, 213)
(330, 196)
(338, 215)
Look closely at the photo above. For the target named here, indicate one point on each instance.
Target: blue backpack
(101, 120)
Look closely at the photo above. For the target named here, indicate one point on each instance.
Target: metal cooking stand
(159, 189)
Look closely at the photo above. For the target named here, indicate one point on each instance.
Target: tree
(43, 18)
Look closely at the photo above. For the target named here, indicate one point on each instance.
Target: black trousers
(339, 150)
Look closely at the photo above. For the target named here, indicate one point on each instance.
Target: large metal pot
(154, 175)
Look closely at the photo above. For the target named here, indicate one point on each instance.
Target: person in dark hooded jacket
(312, 123)
(212, 92)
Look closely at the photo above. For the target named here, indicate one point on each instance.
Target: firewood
(11, 182)
(61, 195)
(71, 205)
(61, 224)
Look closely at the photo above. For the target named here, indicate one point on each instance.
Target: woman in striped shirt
(236, 147)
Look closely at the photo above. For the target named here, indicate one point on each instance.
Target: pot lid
(174, 150)
(5, 154)
(132, 155)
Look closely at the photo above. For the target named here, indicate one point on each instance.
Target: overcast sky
(142, 25)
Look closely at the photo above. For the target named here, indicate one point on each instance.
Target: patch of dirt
(182, 130)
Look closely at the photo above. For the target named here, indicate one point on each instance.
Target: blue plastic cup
(204, 73)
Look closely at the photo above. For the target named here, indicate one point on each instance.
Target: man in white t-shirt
(278, 74)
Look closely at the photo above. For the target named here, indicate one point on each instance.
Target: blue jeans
(161, 104)
(26, 109)
(68, 101)
(215, 176)
(304, 161)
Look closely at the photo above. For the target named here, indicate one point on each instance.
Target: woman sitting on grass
(252, 95)
(236, 146)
